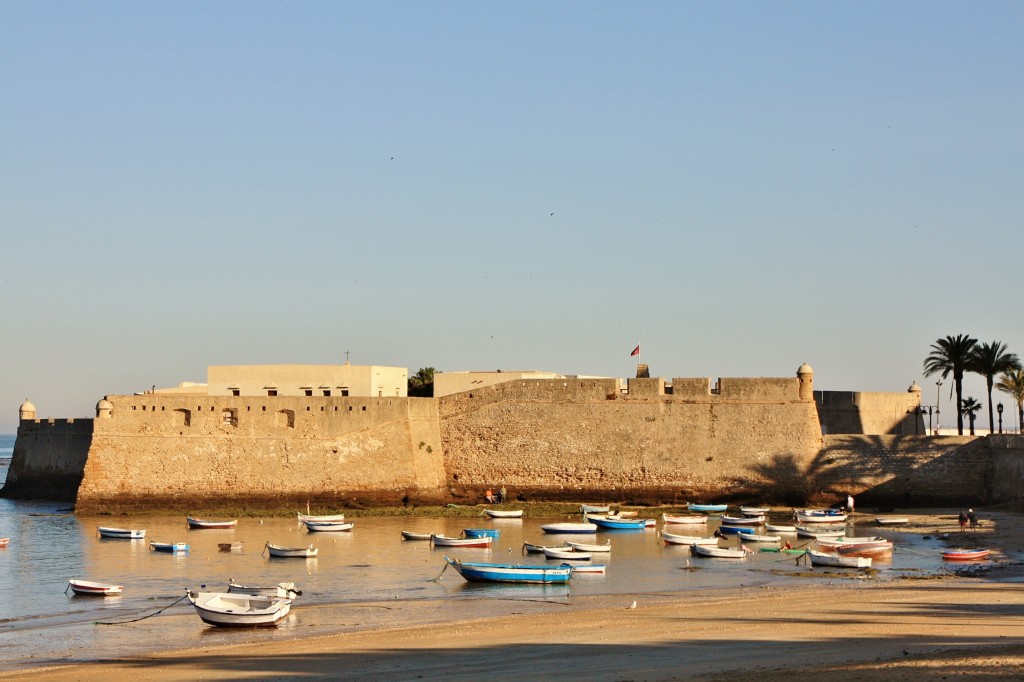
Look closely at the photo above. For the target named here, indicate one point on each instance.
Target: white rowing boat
(291, 552)
(504, 513)
(718, 552)
(566, 554)
(589, 546)
(278, 590)
(838, 561)
(239, 610)
(673, 539)
(94, 589)
(121, 533)
(684, 519)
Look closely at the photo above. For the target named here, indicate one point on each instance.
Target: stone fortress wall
(49, 458)
(181, 452)
(564, 438)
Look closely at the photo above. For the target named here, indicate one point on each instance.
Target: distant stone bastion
(648, 441)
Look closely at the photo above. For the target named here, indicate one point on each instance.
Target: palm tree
(421, 384)
(1012, 383)
(989, 359)
(970, 407)
(952, 355)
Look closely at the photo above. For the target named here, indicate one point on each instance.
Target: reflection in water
(344, 588)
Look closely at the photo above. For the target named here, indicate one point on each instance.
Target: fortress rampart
(49, 458)
(564, 438)
(256, 452)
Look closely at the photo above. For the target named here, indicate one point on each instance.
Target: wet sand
(851, 628)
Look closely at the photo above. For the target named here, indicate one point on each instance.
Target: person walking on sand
(501, 494)
(972, 518)
(963, 520)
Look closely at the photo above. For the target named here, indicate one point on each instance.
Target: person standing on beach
(502, 494)
(963, 520)
(972, 518)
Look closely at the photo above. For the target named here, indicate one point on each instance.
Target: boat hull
(504, 514)
(718, 552)
(966, 555)
(286, 590)
(836, 561)
(412, 535)
(688, 520)
(510, 573)
(323, 518)
(673, 539)
(88, 588)
(292, 552)
(617, 524)
(168, 548)
(442, 541)
(569, 528)
(202, 524)
(481, 532)
(820, 517)
(121, 533)
(737, 530)
(589, 547)
(328, 526)
(240, 610)
(712, 508)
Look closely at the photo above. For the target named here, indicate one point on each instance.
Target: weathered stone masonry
(743, 439)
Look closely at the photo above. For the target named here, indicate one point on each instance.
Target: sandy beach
(852, 628)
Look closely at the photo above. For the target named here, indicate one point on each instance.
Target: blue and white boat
(604, 523)
(707, 507)
(170, 547)
(479, 572)
(737, 530)
(481, 532)
(121, 533)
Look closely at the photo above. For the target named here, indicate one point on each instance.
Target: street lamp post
(938, 387)
(999, 409)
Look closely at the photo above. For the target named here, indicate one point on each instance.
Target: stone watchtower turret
(806, 376)
(103, 409)
(27, 410)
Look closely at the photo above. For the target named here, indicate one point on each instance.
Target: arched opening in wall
(286, 419)
(181, 417)
(229, 417)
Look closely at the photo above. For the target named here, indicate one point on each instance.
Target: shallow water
(342, 588)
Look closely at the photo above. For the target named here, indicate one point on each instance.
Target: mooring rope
(440, 573)
(135, 620)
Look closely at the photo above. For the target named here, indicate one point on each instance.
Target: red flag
(636, 351)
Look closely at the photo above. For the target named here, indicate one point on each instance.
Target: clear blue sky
(739, 187)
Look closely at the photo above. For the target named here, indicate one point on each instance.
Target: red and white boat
(4, 542)
(874, 547)
(965, 554)
(89, 588)
(445, 541)
(198, 524)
